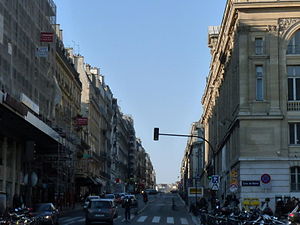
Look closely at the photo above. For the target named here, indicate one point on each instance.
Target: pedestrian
(127, 205)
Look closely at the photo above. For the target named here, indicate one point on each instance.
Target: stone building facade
(59, 121)
(251, 102)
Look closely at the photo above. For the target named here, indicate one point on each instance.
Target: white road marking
(142, 219)
(183, 221)
(156, 219)
(170, 220)
(70, 219)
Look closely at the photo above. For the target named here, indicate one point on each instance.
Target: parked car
(110, 196)
(45, 213)
(134, 202)
(101, 210)
(88, 199)
(294, 217)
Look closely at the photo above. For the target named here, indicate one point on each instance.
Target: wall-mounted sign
(233, 188)
(193, 191)
(265, 178)
(42, 51)
(81, 121)
(250, 183)
(46, 37)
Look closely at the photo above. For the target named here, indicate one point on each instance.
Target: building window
(259, 46)
(293, 73)
(294, 132)
(295, 178)
(294, 44)
(259, 83)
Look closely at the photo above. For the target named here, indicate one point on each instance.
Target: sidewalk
(196, 219)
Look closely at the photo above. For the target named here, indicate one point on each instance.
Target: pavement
(196, 219)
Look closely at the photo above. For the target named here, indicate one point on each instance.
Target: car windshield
(100, 204)
(42, 207)
(92, 197)
(110, 196)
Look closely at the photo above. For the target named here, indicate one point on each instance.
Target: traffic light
(156, 134)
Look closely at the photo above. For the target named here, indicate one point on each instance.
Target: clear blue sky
(154, 56)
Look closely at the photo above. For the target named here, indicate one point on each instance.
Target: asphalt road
(158, 211)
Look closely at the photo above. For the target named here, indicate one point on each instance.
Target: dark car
(101, 211)
(45, 213)
(294, 217)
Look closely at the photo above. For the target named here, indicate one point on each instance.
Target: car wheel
(111, 222)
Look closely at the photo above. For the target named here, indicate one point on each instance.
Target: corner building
(252, 100)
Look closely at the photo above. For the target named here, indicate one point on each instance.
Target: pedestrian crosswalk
(162, 220)
(140, 219)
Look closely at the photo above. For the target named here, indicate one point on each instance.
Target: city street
(158, 210)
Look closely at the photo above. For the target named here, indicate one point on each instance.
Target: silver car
(88, 199)
(101, 211)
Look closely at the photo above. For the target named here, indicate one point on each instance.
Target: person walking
(127, 205)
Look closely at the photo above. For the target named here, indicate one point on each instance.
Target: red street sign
(46, 37)
(81, 121)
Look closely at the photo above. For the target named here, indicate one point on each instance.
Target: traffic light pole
(156, 137)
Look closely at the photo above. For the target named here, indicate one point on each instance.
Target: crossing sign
(215, 182)
(215, 179)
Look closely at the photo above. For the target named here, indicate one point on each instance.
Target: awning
(85, 181)
(100, 181)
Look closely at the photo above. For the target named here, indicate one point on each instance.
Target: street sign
(265, 178)
(193, 191)
(214, 182)
(215, 187)
(233, 188)
(215, 179)
(250, 183)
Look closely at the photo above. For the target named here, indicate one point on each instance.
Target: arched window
(294, 44)
(295, 178)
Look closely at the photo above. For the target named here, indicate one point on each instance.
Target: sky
(155, 59)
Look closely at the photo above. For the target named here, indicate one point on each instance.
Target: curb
(195, 219)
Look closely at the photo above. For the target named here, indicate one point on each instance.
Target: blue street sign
(215, 179)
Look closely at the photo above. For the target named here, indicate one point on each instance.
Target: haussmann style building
(251, 101)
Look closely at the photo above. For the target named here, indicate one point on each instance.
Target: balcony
(293, 106)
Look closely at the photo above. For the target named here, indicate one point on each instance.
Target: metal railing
(293, 106)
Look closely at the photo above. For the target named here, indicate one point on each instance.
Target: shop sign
(46, 37)
(81, 121)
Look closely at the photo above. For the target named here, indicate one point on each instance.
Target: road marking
(70, 219)
(170, 220)
(156, 219)
(142, 219)
(183, 221)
